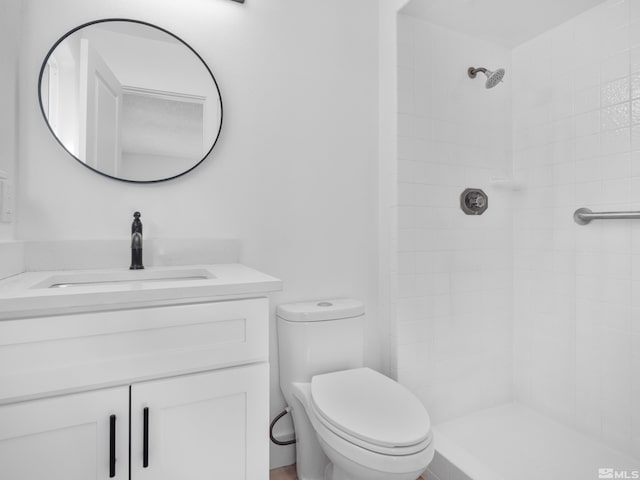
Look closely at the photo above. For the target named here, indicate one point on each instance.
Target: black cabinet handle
(112, 446)
(145, 438)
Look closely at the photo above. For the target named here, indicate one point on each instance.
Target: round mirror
(130, 100)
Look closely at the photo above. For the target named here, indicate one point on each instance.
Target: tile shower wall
(452, 326)
(576, 113)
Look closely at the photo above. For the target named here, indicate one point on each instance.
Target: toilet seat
(371, 411)
(380, 463)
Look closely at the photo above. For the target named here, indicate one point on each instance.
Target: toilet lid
(371, 407)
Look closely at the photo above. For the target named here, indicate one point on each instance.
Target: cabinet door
(67, 437)
(207, 426)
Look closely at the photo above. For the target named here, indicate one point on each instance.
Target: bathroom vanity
(152, 374)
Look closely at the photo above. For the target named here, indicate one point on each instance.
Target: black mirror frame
(70, 32)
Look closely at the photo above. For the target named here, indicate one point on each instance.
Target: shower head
(493, 77)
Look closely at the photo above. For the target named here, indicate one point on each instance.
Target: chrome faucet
(136, 243)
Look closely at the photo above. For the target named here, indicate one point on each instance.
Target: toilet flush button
(325, 304)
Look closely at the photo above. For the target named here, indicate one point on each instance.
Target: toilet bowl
(388, 436)
(351, 422)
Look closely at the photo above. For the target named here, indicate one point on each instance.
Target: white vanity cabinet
(202, 426)
(206, 426)
(68, 437)
(169, 389)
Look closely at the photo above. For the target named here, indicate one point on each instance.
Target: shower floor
(513, 442)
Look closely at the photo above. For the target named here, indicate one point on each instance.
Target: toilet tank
(319, 337)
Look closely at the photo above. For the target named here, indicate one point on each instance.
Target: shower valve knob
(474, 201)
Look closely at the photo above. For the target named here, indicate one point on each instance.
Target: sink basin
(83, 279)
(46, 293)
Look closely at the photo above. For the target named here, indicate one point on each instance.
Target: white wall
(577, 144)
(294, 175)
(452, 324)
(9, 41)
(387, 173)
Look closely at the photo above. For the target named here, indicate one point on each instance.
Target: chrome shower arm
(472, 72)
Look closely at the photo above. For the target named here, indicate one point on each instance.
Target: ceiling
(508, 22)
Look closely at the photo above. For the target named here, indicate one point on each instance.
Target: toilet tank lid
(319, 310)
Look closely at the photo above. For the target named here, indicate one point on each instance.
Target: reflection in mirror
(130, 100)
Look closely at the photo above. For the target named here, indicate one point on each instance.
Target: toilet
(351, 422)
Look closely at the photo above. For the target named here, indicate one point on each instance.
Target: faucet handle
(136, 225)
(136, 243)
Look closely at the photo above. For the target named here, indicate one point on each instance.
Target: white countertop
(24, 296)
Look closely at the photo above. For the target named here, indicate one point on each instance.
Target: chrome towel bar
(583, 216)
